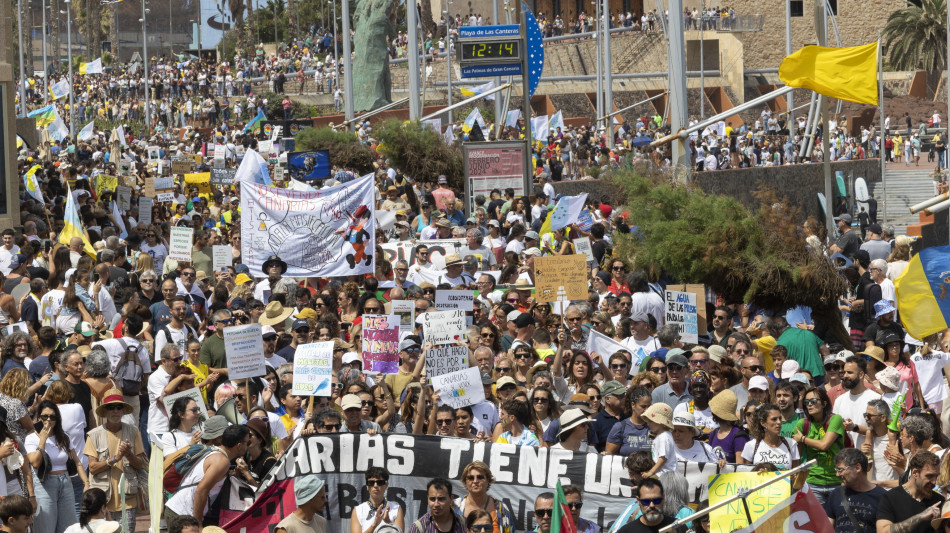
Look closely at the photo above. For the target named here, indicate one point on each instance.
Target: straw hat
(113, 397)
(275, 313)
(874, 352)
(570, 419)
(724, 405)
(660, 413)
(937, 523)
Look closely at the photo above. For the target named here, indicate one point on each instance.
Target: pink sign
(495, 167)
(381, 343)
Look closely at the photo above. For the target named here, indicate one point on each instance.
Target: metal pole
(677, 58)
(19, 18)
(348, 65)
(498, 103)
(276, 40)
(455, 105)
(821, 23)
(336, 48)
(788, 51)
(377, 111)
(702, 77)
(526, 100)
(199, 29)
(880, 110)
(448, 63)
(45, 64)
(69, 55)
(608, 115)
(608, 83)
(806, 140)
(598, 52)
(415, 107)
(148, 103)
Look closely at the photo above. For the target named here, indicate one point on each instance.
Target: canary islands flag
(475, 91)
(923, 292)
(72, 227)
(256, 121)
(32, 186)
(844, 73)
(93, 67)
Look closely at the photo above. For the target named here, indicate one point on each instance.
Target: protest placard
(444, 327)
(681, 312)
(123, 196)
(699, 290)
(582, 246)
(125, 167)
(201, 180)
(605, 347)
(19, 326)
(222, 176)
(244, 347)
(733, 516)
(406, 311)
(313, 369)
(182, 166)
(179, 243)
(105, 183)
(195, 394)
(460, 388)
(221, 257)
(154, 153)
(446, 300)
(381, 343)
(560, 277)
(145, 210)
(445, 360)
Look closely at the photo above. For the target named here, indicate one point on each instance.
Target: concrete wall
(799, 184)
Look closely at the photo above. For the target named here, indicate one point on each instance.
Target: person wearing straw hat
(275, 315)
(659, 417)
(573, 433)
(729, 439)
(454, 275)
(115, 448)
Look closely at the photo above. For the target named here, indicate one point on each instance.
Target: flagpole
(821, 25)
(72, 85)
(880, 106)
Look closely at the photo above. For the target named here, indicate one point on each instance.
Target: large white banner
(330, 232)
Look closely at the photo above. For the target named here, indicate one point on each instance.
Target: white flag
(557, 121)
(540, 128)
(449, 134)
(86, 132)
(123, 233)
(253, 169)
(512, 119)
(59, 89)
(93, 67)
(473, 117)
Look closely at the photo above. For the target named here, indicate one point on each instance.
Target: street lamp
(148, 110)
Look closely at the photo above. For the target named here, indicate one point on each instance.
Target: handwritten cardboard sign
(313, 369)
(560, 277)
(381, 343)
(182, 166)
(145, 210)
(123, 196)
(582, 245)
(460, 388)
(244, 347)
(446, 300)
(681, 311)
(221, 257)
(446, 359)
(222, 176)
(700, 291)
(732, 517)
(443, 327)
(179, 243)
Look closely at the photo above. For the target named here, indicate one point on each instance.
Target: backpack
(806, 427)
(177, 465)
(128, 372)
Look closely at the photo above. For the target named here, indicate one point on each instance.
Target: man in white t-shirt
(8, 251)
(176, 332)
(852, 406)
(160, 384)
(485, 413)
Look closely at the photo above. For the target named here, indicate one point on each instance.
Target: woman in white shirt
(684, 439)
(369, 515)
(573, 433)
(183, 424)
(54, 497)
(73, 423)
(767, 445)
(93, 516)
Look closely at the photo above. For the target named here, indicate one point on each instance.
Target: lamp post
(45, 64)
(69, 55)
(448, 58)
(148, 110)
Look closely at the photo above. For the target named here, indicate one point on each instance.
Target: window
(798, 8)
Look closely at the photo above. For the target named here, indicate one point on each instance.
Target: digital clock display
(504, 50)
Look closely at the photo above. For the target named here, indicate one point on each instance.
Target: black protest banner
(521, 473)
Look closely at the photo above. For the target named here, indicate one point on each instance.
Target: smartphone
(95, 277)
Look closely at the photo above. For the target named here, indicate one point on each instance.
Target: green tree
(419, 152)
(755, 256)
(916, 37)
(344, 148)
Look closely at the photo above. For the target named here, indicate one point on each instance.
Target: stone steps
(905, 187)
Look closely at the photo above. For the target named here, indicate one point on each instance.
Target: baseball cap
(268, 332)
(676, 357)
(845, 217)
(524, 320)
(759, 383)
(351, 401)
(533, 251)
(533, 235)
(639, 316)
(299, 323)
(408, 343)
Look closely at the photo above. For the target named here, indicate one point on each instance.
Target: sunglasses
(49, 417)
(337, 385)
(522, 355)
(174, 359)
(444, 421)
(575, 505)
(226, 321)
(481, 527)
(197, 410)
(743, 352)
(658, 369)
(503, 369)
(302, 330)
(377, 483)
(617, 269)
(487, 335)
(188, 274)
(332, 427)
(869, 416)
(618, 367)
(475, 477)
(364, 403)
(541, 400)
(649, 502)
(811, 401)
(115, 407)
(833, 368)
(371, 309)
(148, 281)
(755, 368)
(594, 398)
(543, 512)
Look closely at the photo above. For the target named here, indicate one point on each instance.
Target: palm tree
(916, 37)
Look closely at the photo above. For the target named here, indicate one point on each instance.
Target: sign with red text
(381, 343)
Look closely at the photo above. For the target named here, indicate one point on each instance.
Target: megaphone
(230, 412)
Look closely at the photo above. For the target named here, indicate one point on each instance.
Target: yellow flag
(844, 73)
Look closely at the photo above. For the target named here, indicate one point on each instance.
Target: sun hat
(505, 380)
(275, 313)
(686, 419)
(890, 377)
(306, 487)
(452, 260)
(272, 261)
(660, 413)
(874, 352)
(883, 307)
(241, 279)
(790, 367)
(214, 427)
(113, 397)
(570, 419)
(724, 405)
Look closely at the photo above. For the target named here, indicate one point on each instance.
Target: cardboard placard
(195, 394)
(202, 180)
(444, 327)
(560, 277)
(460, 388)
(179, 243)
(182, 166)
(381, 343)
(582, 245)
(145, 210)
(313, 369)
(700, 291)
(244, 346)
(446, 300)
(106, 183)
(406, 311)
(221, 257)
(442, 360)
(222, 176)
(733, 516)
(123, 196)
(680, 311)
